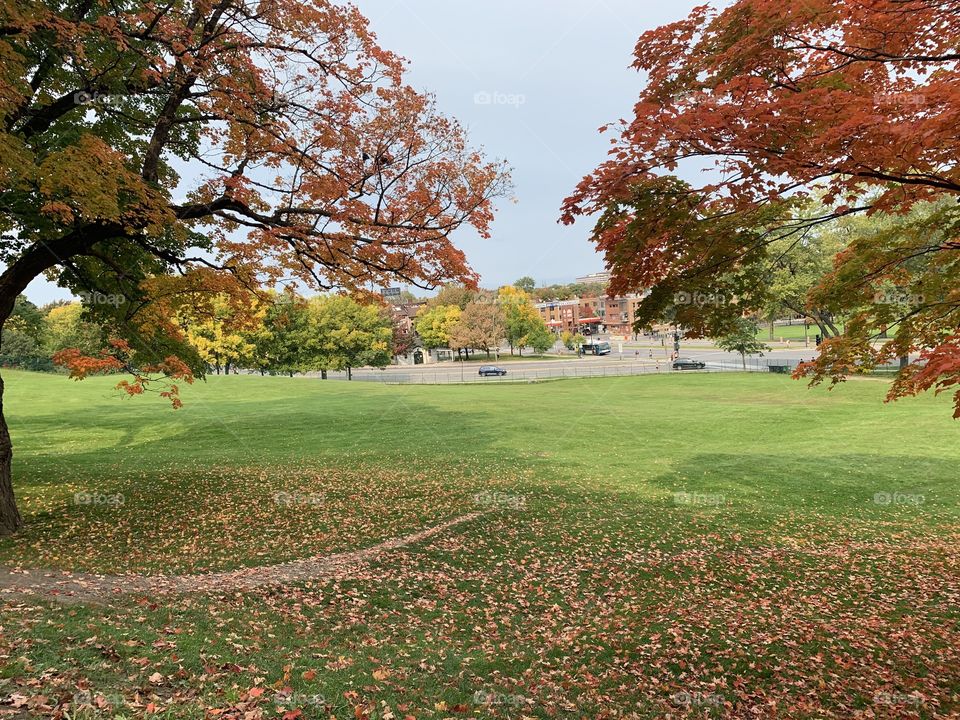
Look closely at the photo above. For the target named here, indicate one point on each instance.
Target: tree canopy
(167, 154)
(856, 102)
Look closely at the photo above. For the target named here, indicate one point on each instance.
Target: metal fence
(452, 374)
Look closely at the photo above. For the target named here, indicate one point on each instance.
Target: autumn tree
(855, 102)
(404, 337)
(343, 334)
(251, 141)
(67, 326)
(519, 315)
(480, 327)
(223, 333)
(434, 325)
(453, 294)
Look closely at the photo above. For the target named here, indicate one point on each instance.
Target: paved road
(590, 366)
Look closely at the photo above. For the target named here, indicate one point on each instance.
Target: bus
(597, 348)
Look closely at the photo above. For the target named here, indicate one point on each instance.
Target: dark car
(487, 370)
(688, 364)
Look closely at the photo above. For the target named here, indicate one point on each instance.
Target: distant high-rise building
(601, 278)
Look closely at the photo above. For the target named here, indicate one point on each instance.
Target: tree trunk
(743, 357)
(904, 361)
(349, 373)
(10, 520)
(16, 277)
(323, 374)
(772, 329)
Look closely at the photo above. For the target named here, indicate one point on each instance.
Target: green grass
(714, 535)
(787, 332)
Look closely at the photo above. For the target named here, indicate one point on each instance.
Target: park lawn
(694, 545)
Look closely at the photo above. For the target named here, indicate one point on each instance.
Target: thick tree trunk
(10, 521)
(349, 373)
(32, 262)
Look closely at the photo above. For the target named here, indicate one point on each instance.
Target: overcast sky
(532, 80)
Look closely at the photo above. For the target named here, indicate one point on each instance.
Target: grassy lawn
(787, 332)
(663, 546)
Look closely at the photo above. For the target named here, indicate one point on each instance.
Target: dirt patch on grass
(70, 587)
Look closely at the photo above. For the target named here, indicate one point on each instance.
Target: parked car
(688, 364)
(488, 370)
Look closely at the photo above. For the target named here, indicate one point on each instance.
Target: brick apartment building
(591, 314)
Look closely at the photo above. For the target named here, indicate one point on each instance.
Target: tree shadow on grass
(879, 488)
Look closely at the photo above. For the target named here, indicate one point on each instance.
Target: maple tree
(224, 336)
(520, 317)
(434, 324)
(856, 103)
(342, 334)
(480, 326)
(147, 148)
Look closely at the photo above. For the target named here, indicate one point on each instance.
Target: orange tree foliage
(162, 153)
(155, 155)
(859, 101)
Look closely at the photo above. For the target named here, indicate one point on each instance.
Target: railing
(451, 374)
